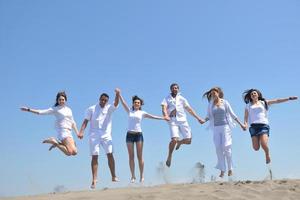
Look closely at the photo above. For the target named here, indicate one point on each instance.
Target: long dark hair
(208, 93)
(135, 97)
(247, 97)
(59, 94)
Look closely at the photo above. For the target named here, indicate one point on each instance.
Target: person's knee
(256, 148)
(110, 155)
(189, 141)
(173, 141)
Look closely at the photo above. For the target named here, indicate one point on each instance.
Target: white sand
(257, 190)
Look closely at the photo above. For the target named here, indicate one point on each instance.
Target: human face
(214, 94)
(137, 104)
(174, 90)
(102, 101)
(254, 95)
(61, 100)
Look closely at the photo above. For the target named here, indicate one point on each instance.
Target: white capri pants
(223, 141)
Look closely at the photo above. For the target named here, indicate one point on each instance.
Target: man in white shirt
(173, 107)
(100, 117)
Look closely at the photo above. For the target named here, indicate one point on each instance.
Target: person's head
(213, 93)
(174, 87)
(253, 95)
(137, 103)
(61, 98)
(103, 99)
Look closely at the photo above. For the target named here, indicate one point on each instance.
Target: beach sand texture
(258, 190)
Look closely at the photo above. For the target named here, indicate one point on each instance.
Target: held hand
(117, 91)
(201, 121)
(243, 127)
(167, 118)
(80, 135)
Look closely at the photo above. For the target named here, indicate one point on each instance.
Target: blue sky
(90, 47)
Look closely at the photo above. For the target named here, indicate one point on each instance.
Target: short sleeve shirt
(179, 103)
(135, 119)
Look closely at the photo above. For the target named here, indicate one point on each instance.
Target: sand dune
(275, 190)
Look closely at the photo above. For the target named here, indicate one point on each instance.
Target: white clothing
(177, 127)
(229, 114)
(100, 120)
(223, 140)
(179, 103)
(64, 120)
(63, 115)
(257, 113)
(64, 133)
(134, 120)
(95, 141)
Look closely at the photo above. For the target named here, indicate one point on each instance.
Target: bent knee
(256, 148)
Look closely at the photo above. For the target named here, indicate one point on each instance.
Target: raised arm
(38, 112)
(281, 100)
(123, 102)
(117, 97)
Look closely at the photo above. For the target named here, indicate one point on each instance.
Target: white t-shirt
(257, 113)
(63, 115)
(100, 119)
(179, 103)
(135, 119)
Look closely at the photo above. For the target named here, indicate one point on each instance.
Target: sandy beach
(258, 190)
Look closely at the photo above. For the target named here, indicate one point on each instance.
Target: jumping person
(220, 115)
(64, 124)
(173, 108)
(256, 114)
(134, 133)
(100, 118)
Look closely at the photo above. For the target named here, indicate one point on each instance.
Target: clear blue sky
(90, 47)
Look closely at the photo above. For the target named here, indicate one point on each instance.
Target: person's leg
(255, 143)
(111, 164)
(172, 145)
(228, 156)
(139, 149)
(108, 147)
(264, 138)
(217, 137)
(94, 167)
(174, 130)
(186, 133)
(68, 146)
(130, 148)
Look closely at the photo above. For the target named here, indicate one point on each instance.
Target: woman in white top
(134, 133)
(64, 124)
(256, 116)
(220, 115)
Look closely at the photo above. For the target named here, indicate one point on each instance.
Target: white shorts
(64, 133)
(95, 142)
(177, 127)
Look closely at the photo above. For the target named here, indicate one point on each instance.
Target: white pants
(223, 141)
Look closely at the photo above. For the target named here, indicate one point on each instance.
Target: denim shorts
(133, 137)
(259, 129)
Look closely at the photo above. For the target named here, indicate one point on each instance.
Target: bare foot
(178, 144)
(132, 180)
(168, 162)
(142, 179)
(229, 172)
(268, 159)
(52, 146)
(51, 140)
(93, 185)
(221, 174)
(115, 179)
